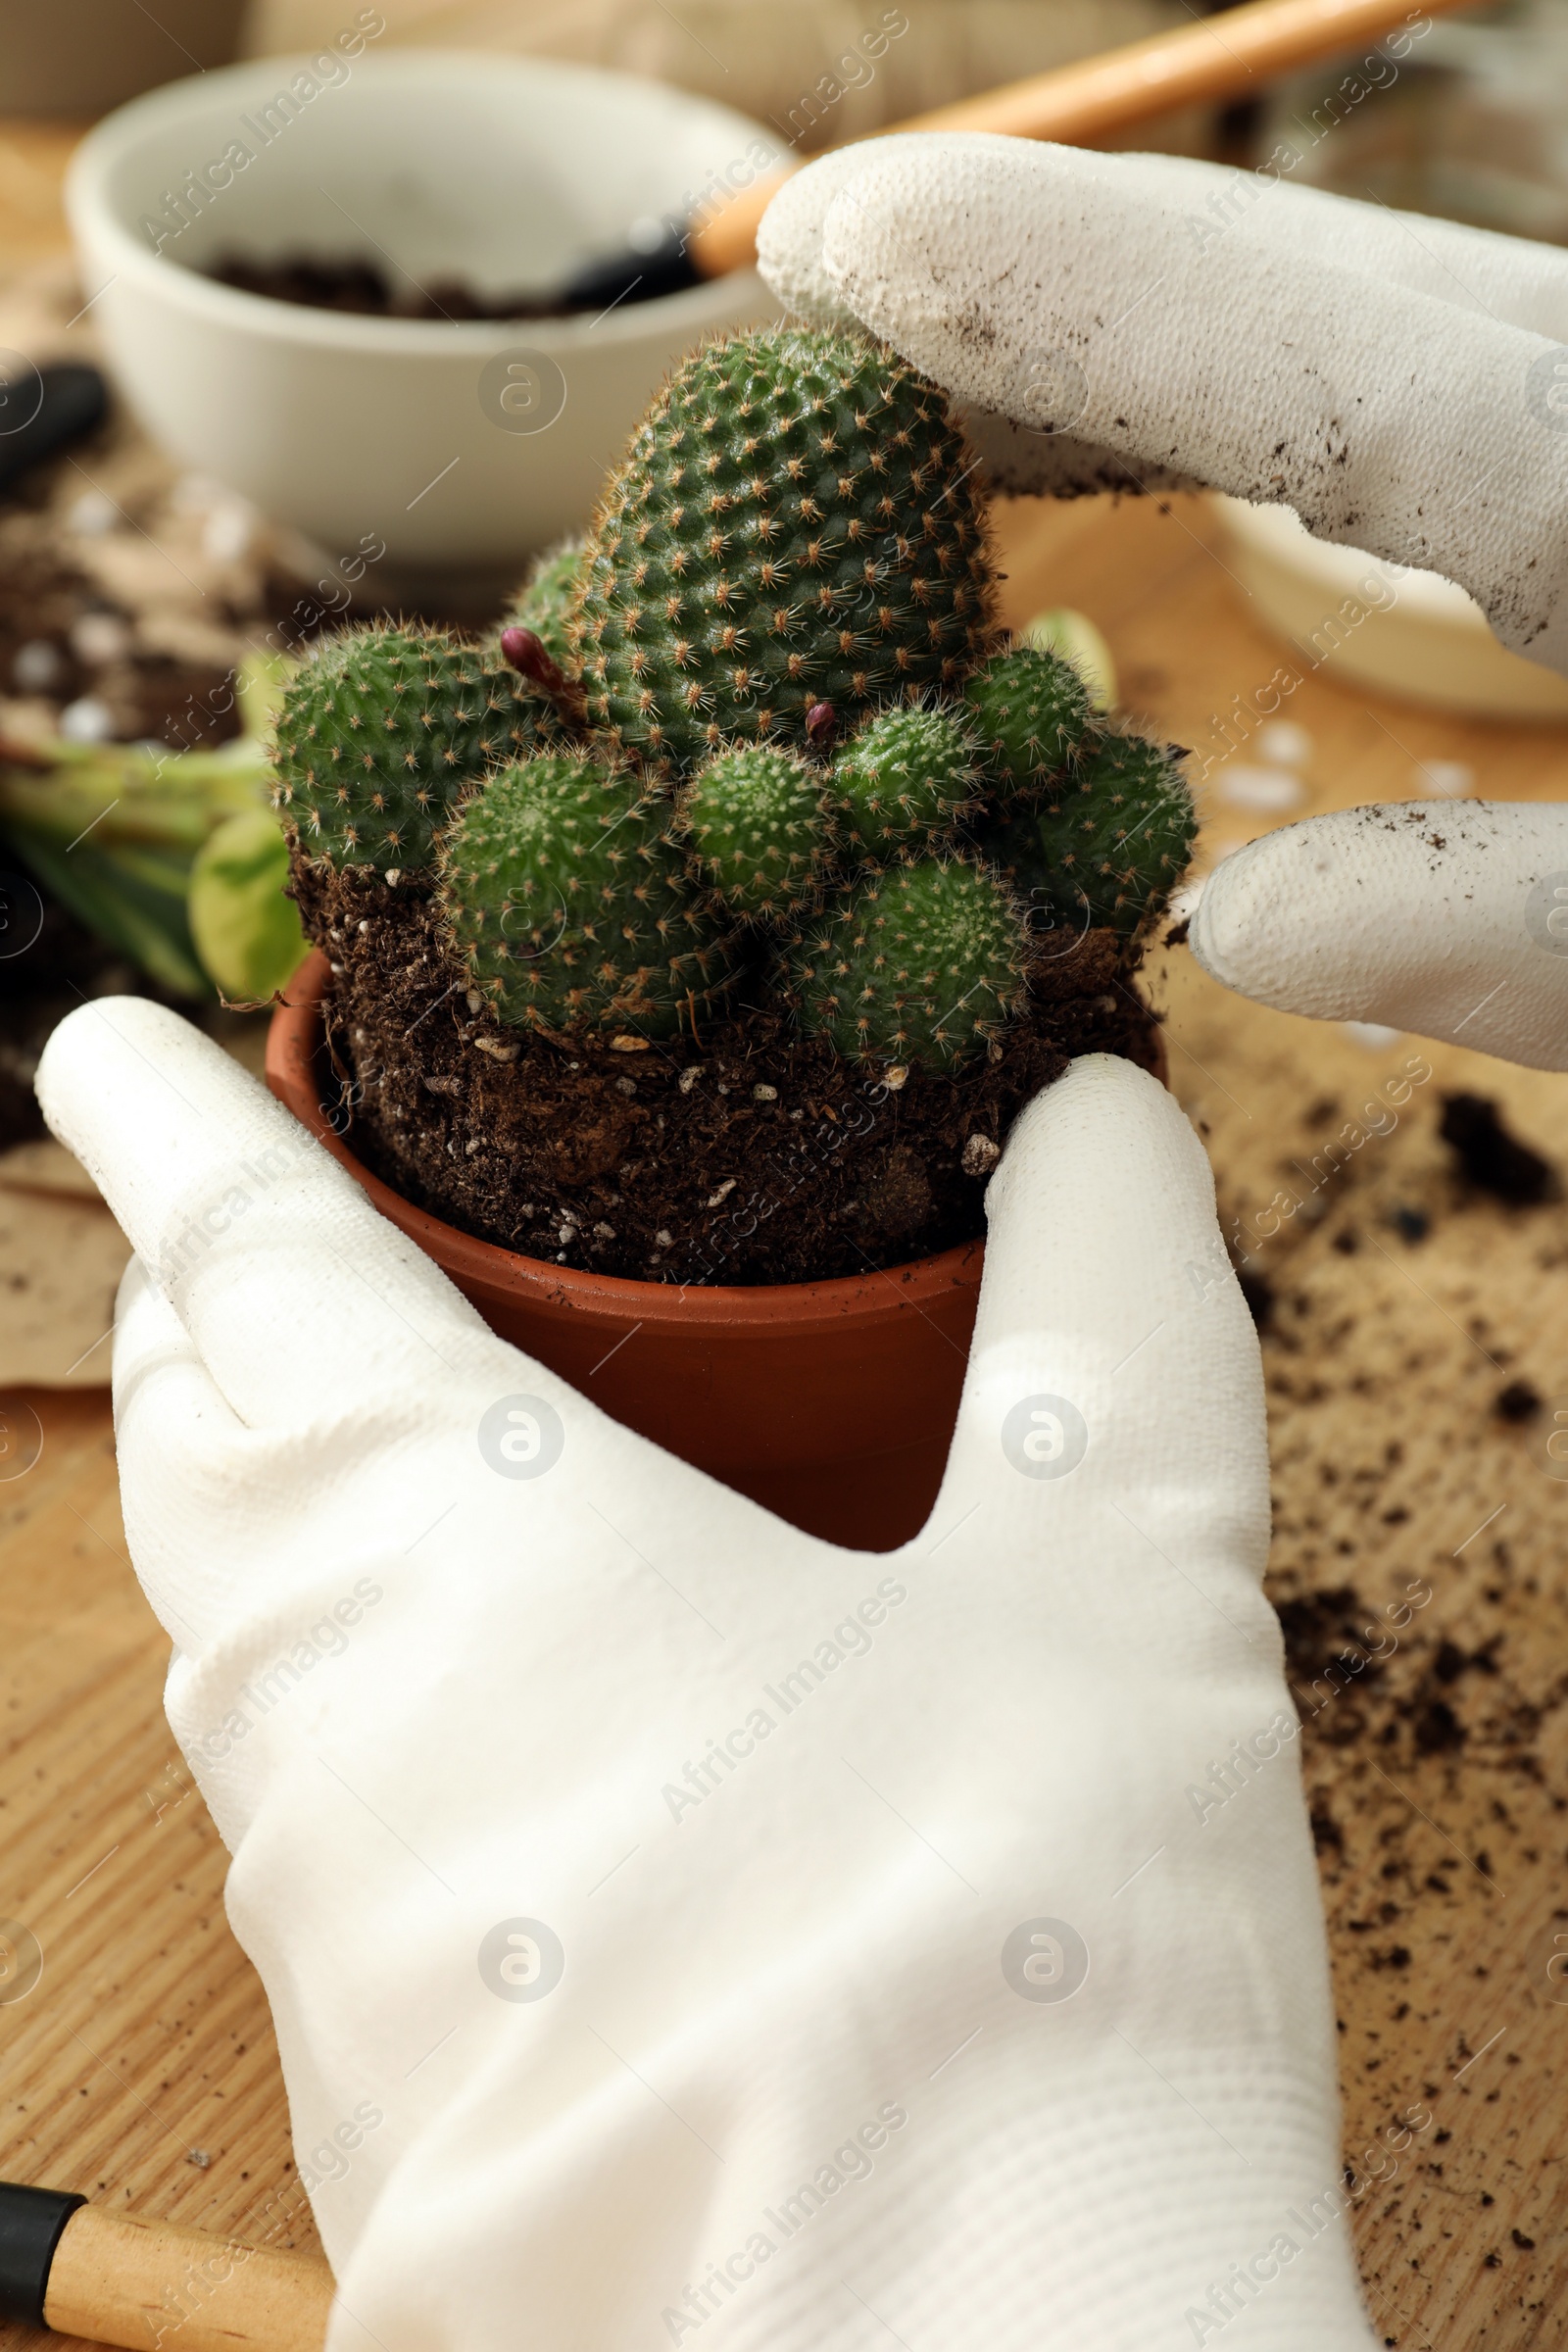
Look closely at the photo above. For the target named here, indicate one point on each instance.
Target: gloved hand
(675, 1927)
(1123, 321)
(1135, 321)
(1449, 920)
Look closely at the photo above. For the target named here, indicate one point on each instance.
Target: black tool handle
(44, 408)
(32, 2220)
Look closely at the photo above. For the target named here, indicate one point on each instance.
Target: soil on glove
(350, 282)
(747, 1156)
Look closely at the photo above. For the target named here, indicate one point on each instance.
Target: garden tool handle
(118, 2278)
(1226, 56)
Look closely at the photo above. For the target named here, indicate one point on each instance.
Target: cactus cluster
(923, 963)
(379, 737)
(761, 830)
(571, 908)
(907, 777)
(1103, 842)
(1033, 713)
(794, 524)
(767, 727)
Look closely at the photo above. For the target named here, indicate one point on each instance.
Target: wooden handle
(118, 2279)
(1227, 56)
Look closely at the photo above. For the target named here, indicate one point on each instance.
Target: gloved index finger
(1072, 295)
(1449, 920)
(295, 1292)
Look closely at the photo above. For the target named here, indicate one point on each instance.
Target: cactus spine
(907, 779)
(794, 525)
(380, 734)
(569, 907)
(1032, 711)
(924, 963)
(758, 820)
(1108, 844)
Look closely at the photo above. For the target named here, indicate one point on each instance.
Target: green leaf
(135, 900)
(1075, 637)
(258, 689)
(121, 793)
(246, 932)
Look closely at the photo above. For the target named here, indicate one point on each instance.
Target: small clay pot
(831, 1402)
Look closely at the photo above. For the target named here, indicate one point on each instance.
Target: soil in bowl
(749, 1155)
(353, 282)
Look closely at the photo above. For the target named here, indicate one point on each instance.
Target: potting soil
(745, 1155)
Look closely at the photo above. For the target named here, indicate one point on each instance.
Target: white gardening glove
(1396, 380)
(676, 1926)
(1452, 920)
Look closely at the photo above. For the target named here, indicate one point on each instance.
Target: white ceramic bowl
(1408, 633)
(458, 445)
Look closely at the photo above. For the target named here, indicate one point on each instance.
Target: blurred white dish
(461, 444)
(1404, 632)
(1269, 790)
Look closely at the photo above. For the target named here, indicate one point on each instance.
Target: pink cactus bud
(526, 653)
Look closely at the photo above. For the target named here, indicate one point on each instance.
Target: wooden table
(142, 2067)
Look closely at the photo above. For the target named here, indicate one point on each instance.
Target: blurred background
(1474, 128)
(758, 55)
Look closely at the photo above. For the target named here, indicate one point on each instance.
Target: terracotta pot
(832, 1403)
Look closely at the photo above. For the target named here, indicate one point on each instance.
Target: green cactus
(1105, 846)
(757, 817)
(383, 731)
(1032, 711)
(544, 602)
(924, 963)
(629, 794)
(570, 908)
(794, 525)
(1074, 636)
(907, 779)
